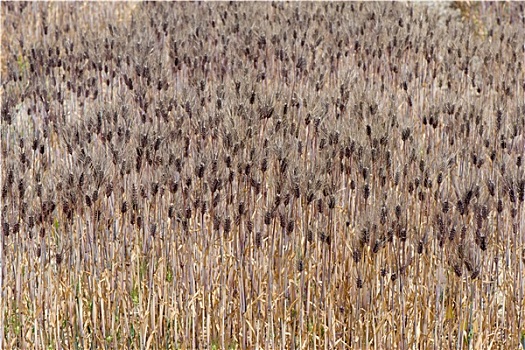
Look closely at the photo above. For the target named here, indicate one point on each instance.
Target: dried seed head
(290, 227)
(216, 222)
(153, 229)
(124, 207)
(405, 135)
(500, 206)
(109, 189)
(393, 276)
(331, 202)
(457, 269)
(383, 215)
(320, 205)
(199, 171)
(452, 233)
(461, 207)
(264, 164)
(241, 208)
(359, 283)
(88, 200)
(5, 228)
(366, 191)
(491, 187)
(445, 207)
(481, 240)
(521, 190)
(227, 224)
(268, 218)
(402, 234)
(300, 265)
(398, 211)
(287, 198)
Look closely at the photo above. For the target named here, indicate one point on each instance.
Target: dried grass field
(262, 176)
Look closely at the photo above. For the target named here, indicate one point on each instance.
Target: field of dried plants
(262, 175)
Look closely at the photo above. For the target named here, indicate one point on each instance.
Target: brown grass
(263, 175)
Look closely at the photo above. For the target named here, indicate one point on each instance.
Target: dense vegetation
(262, 175)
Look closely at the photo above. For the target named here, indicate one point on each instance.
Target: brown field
(262, 176)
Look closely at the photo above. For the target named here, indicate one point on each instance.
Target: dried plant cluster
(263, 175)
